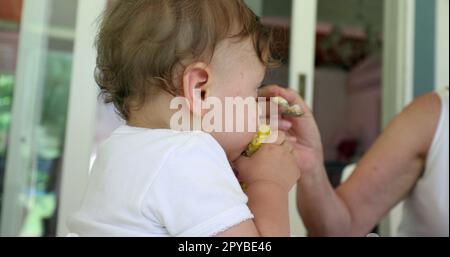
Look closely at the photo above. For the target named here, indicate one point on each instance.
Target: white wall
(442, 68)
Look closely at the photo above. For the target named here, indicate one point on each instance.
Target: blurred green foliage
(50, 130)
(55, 102)
(6, 92)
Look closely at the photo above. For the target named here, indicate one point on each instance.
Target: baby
(150, 179)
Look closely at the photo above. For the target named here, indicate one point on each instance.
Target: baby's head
(150, 51)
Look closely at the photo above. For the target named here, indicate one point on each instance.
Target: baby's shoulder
(176, 144)
(197, 144)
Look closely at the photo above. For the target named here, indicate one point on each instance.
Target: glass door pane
(36, 45)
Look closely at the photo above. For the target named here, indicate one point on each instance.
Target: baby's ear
(195, 83)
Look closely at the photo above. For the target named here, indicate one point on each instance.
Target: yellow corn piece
(294, 111)
(280, 101)
(288, 110)
(263, 133)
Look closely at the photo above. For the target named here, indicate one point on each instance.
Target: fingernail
(284, 124)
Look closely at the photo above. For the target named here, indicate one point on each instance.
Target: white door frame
(398, 76)
(301, 76)
(81, 113)
(302, 50)
(398, 57)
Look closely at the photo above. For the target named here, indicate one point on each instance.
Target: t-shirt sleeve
(196, 193)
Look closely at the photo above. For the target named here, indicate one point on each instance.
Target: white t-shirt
(160, 183)
(426, 208)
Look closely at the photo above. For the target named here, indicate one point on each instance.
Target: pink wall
(347, 105)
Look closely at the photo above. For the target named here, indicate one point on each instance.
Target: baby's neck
(147, 124)
(155, 114)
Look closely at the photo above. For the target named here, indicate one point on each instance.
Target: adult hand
(308, 146)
